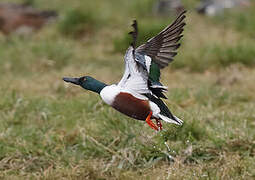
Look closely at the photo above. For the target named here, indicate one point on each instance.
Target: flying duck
(139, 92)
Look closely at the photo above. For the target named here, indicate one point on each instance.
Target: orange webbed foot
(150, 123)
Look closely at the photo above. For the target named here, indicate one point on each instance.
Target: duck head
(86, 82)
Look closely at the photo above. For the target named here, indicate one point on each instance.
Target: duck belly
(131, 106)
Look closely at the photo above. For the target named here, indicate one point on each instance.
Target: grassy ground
(52, 130)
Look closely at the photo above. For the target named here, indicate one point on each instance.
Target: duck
(23, 18)
(139, 93)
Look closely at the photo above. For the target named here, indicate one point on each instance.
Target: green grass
(53, 130)
(218, 55)
(239, 20)
(76, 23)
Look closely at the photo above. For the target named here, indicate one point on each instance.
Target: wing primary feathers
(167, 55)
(175, 32)
(171, 28)
(175, 39)
(179, 19)
(134, 34)
(166, 49)
(162, 48)
(170, 48)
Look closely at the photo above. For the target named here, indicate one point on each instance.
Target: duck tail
(176, 120)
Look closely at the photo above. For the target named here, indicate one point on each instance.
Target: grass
(239, 20)
(53, 130)
(76, 23)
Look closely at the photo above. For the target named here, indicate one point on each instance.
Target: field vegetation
(53, 130)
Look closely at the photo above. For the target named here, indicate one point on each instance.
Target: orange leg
(159, 124)
(150, 123)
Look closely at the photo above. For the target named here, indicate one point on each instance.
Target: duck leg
(150, 123)
(159, 124)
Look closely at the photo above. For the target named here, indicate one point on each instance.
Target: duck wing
(143, 64)
(158, 52)
(162, 48)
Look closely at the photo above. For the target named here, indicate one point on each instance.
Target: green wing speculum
(154, 81)
(154, 74)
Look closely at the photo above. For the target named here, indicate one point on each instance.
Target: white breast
(109, 93)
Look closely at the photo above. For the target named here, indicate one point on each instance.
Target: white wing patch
(135, 78)
(126, 73)
(147, 63)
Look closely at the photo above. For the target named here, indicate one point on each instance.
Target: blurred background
(52, 130)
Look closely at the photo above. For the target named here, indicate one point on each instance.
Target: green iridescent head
(87, 82)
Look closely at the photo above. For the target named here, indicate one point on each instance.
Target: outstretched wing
(129, 56)
(135, 77)
(162, 48)
(157, 52)
(142, 64)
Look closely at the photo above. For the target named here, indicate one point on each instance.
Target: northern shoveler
(138, 93)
